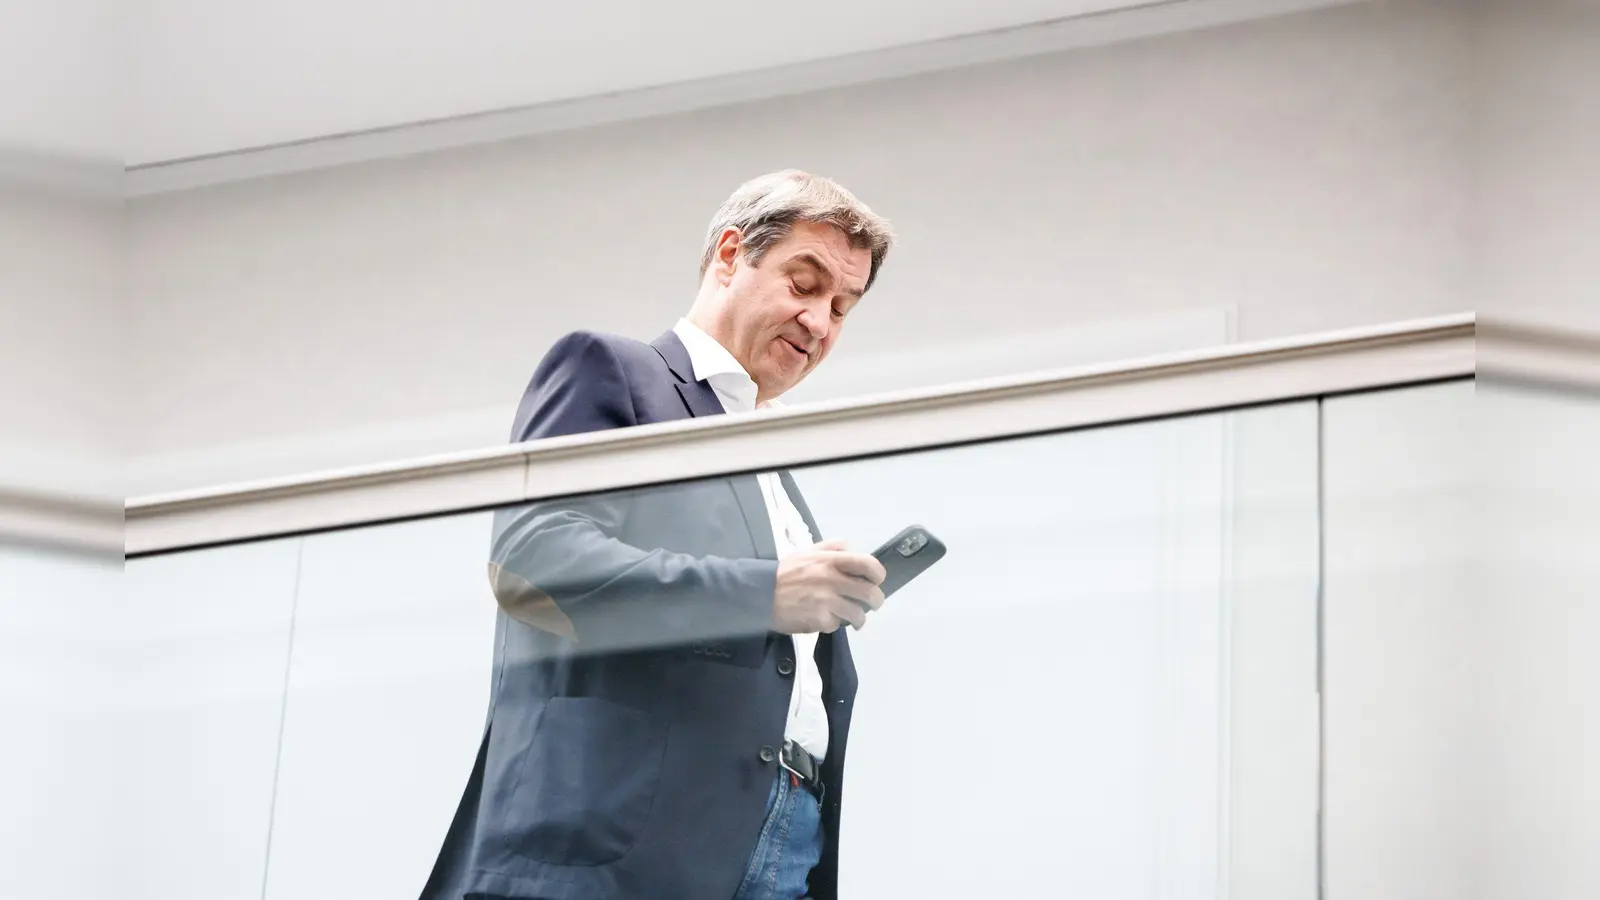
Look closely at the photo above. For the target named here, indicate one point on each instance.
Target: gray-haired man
(672, 686)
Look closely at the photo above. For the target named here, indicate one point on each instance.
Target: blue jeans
(790, 844)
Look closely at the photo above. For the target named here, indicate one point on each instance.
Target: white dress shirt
(808, 718)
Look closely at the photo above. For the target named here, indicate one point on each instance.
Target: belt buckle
(783, 760)
(820, 789)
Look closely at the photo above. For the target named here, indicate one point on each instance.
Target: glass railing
(1214, 650)
(1124, 615)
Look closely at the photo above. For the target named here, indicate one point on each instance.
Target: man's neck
(702, 317)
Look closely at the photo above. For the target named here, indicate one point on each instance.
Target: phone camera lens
(912, 544)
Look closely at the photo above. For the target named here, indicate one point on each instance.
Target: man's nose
(815, 321)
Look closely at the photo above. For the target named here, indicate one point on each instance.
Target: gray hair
(764, 209)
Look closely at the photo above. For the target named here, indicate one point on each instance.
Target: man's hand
(824, 587)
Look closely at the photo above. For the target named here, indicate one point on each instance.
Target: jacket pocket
(586, 782)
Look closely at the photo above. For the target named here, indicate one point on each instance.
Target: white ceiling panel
(59, 68)
(217, 76)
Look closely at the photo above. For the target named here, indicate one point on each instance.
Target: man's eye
(802, 289)
(838, 313)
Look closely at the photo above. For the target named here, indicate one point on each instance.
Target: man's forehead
(827, 238)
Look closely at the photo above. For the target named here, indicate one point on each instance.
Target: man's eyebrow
(810, 259)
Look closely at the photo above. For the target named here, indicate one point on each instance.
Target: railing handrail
(1085, 396)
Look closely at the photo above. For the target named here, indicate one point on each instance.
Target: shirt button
(785, 666)
(768, 754)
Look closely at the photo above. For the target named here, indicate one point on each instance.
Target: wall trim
(59, 520)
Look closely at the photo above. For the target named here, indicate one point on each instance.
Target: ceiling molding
(1093, 29)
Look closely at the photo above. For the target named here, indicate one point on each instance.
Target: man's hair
(764, 209)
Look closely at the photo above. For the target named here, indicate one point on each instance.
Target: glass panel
(394, 633)
(1269, 639)
(205, 651)
(1114, 665)
(1075, 660)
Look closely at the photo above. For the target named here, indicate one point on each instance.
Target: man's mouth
(795, 347)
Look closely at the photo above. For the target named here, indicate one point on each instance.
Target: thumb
(835, 544)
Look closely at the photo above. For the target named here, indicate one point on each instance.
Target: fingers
(849, 584)
(859, 565)
(846, 610)
(861, 591)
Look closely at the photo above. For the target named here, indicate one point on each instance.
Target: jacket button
(786, 666)
(768, 754)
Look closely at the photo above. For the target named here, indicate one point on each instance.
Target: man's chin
(780, 383)
(788, 366)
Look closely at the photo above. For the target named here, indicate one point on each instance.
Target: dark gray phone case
(907, 555)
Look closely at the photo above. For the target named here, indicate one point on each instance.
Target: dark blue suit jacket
(635, 682)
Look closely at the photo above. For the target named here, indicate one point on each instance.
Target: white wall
(1536, 149)
(1462, 690)
(62, 367)
(1284, 175)
(1400, 748)
(60, 248)
(1537, 605)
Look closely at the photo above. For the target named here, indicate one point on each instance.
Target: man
(672, 684)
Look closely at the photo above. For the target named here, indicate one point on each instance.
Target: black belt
(803, 766)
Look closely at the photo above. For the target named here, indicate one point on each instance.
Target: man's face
(780, 318)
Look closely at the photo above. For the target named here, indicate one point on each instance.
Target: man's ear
(726, 258)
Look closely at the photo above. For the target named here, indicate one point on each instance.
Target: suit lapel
(701, 400)
(793, 490)
(754, 508)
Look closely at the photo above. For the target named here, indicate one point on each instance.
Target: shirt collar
(713, 363)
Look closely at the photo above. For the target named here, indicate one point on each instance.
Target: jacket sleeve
(560, 566)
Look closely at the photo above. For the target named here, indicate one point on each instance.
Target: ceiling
(219, 76)
(58, 80)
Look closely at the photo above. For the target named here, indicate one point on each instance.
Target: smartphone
(907, 555)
